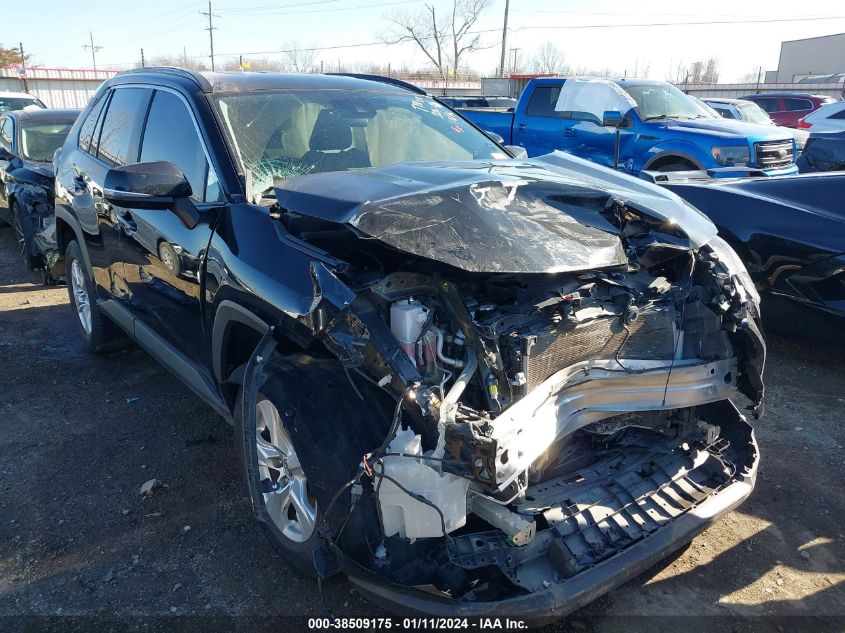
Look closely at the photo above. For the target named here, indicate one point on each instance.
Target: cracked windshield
(295, 133)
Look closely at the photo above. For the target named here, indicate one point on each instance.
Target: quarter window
(6, 133)
(838, 115)
(171, 135)
(86, 132)
(122, 125)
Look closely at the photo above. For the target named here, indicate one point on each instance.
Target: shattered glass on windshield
(286, 133)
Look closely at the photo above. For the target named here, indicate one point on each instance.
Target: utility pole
(514, 57)
(23, 70)
(93, 48)
(210, 30)
(504, 40)
(143, 63)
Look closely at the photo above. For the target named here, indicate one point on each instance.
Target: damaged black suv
(474, 383)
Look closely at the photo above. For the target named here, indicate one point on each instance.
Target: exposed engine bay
(533, 424)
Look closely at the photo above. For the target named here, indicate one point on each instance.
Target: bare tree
(259, 63)
(298, 58)
(549, 60)
(444, 36)
(180, 61)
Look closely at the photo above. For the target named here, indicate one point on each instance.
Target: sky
(643, 38)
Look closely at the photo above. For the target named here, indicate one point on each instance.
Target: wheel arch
(235, 335)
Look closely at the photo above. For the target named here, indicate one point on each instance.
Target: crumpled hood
(728, 128)
(538, 215)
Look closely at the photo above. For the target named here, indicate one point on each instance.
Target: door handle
(568, 131)
(124, 218)
(521, 126)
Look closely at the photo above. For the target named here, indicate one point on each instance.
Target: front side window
(753, 113)
(122, 125)
(768, 104)
(293, 133)
(6, 133)
(170, 135)
(39, 141)
(665, 101)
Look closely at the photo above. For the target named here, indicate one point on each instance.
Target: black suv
(505, 381)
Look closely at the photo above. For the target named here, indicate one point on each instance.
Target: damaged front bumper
(605, 529)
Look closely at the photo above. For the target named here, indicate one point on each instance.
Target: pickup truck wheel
(168, 255)
(99, 333)
(292, 515)
(677, 166)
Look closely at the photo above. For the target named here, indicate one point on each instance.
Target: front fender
(682, 149)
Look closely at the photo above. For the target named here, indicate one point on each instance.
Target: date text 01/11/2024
(418, 624)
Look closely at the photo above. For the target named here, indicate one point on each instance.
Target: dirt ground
(80, 434)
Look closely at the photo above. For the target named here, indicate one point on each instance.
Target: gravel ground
(80, 434)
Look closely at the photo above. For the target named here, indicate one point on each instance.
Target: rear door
(540, 128)
(109, 137)
(164, 262)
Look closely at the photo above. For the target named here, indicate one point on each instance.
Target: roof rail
(384, 80)
(194, 76)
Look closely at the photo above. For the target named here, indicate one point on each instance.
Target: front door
(163, 266)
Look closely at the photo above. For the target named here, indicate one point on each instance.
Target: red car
(787, 108)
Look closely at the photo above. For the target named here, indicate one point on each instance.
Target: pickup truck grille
(773, 154)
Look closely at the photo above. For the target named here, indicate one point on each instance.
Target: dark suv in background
(438, 359)
(787, 108)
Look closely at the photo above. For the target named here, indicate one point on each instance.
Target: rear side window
(171, 135)
(795, 105)
(543, 101)
(838, 115)
(86, 132)
(724, 112)
(122, 125)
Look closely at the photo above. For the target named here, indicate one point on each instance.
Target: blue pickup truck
(636, 125)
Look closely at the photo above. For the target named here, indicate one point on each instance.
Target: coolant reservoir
(407, 318)
(404, 515)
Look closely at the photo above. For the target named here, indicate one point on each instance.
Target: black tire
(677, 166)
(170, 258)
(299, 554)
(101, 334)
(24, 235)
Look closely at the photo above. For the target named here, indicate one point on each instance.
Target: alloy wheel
(283, 483)
(81, 300)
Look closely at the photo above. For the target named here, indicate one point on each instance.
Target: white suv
(828, 118)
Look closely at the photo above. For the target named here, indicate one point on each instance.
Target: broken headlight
(731, 261)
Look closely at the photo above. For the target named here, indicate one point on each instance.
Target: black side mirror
(158, 185)
(612, 118)
(6, 154)
(154, 185)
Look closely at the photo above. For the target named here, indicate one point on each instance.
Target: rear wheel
(24, 235)
(170, 258)
(100, 334)
(291, 512)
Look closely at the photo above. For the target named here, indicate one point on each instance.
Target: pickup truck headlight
(730, 156)
(731, 261)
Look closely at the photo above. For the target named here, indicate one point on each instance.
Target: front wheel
(291, 513)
